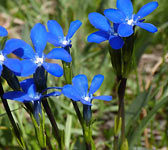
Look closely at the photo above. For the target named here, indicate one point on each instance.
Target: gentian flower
(30, 94)
(78, 91)
(11, 63)
(124, 16)
(106, 32)
(3, 31)
(56, 35)
(33, 60)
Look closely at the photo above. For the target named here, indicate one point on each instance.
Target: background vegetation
(147, 88)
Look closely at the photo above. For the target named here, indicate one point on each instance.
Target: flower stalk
(121, 111)
(40, 79)
(86, 127)
(16, 130)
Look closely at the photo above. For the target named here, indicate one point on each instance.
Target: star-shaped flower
(28, 93)
(106, 32)
(124, 16)
(3, 31)
(56, 35)
(78, 91)
(33, 60)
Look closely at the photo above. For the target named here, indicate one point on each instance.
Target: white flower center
(87, 98)
(65, 42)
(37, 96)
(2, 58)
(130, 22)
(39, 60)
(115, 34)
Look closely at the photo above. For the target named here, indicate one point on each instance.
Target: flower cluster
(33, 58)
(123, 23)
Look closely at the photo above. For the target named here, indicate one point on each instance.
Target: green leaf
(134, 110)
(68, 128)
(146, 121)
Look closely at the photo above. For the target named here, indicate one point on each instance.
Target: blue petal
(17, 96)
(53, 69)
(98, 37)
(59, 53)
(85, 102)
(126, 7)
(20, 48)
(104, 98)
(71, 92)
(125, 30)
(116, 42)
(114, 15)
(3, 31)
(74, 26)
(147, 26)
(23, 49)
(13, 64)
(1, 68)
(80, 82)
(146, 10)
(96, 83)
(99, 21)
(53, 39)
(56, 93)
(38, 36)
(55, 28)
(28, 68)
(28, 87)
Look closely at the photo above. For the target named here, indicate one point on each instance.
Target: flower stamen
(39, 60)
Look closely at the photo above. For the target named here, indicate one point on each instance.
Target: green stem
(53, 123)
(78, 113)
(87, 115)
(87, 131)
(40, 78)
(12, 121)
(116, 142)
(121, 110)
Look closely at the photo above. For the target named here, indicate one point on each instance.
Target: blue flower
(11, 63)
(29, 93)
(56, 35)
(33, 60)
(106, 32)
(3, 31)
(78, 91)
(124, 16)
